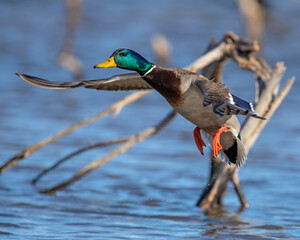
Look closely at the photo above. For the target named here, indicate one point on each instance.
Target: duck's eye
(123, 54)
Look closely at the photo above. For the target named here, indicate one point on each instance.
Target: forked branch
(266, 104)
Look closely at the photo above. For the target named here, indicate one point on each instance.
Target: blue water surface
(150, 191)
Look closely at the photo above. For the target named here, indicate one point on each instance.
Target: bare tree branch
(65, 57)
(162, 49)
(251, 136)
(77, 152)
(213, 55)
(254, 14)
(121, 149)
(266, 104)
(116, 107)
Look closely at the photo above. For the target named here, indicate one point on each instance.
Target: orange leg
(216, 146)
(198, 140)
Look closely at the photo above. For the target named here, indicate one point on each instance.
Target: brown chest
(167, 83)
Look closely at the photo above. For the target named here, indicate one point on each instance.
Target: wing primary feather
(43, 83)
(131, 81)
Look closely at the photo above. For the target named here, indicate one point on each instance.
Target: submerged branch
(77, 152)
(131, 141)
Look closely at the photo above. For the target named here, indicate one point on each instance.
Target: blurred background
(150, 191)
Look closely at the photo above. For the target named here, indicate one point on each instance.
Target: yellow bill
(107, 64)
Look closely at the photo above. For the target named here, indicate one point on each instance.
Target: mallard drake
(207, 104)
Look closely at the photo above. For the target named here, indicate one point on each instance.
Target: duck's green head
(126, 59)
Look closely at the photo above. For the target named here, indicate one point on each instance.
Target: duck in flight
(207, 104)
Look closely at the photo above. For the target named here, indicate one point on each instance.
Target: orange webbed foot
(198, 140)
(216, 145)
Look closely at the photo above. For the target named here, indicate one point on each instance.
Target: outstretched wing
(223, 102)
(130, 81)
(43, 83)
